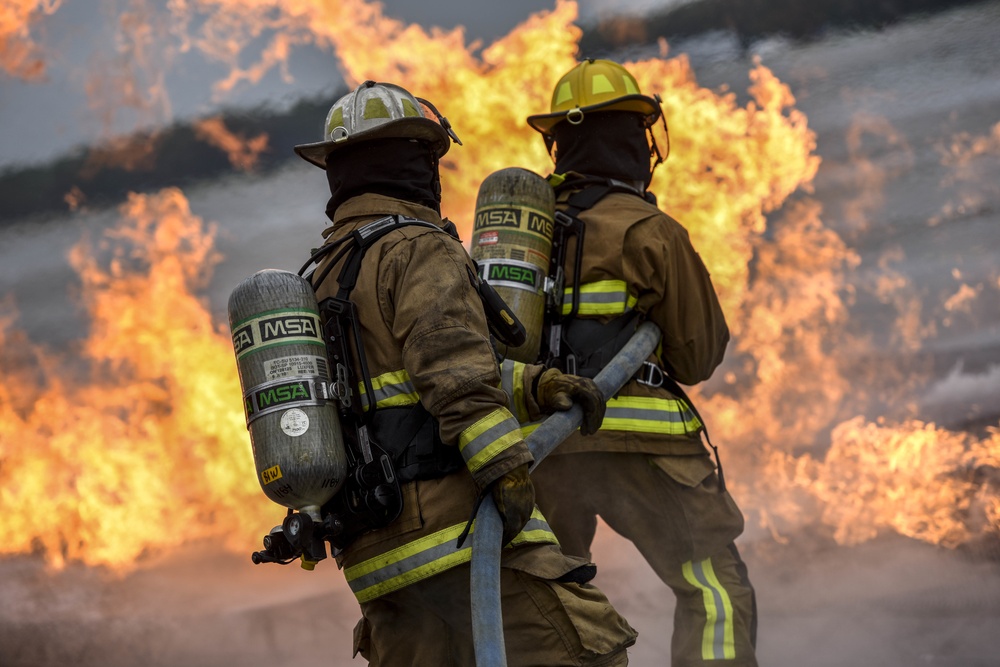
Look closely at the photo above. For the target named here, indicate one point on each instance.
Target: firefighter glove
(514, 496)
(557, 391)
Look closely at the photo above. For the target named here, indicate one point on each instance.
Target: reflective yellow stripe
(428, 556)
(391, 389)
(717, 642)
(407, 564)
(512, 383)
(605, 297)
(489, 436)
(648, 414)
(642, 414)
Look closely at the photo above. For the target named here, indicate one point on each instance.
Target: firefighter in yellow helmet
(646, 472)
(426, 385)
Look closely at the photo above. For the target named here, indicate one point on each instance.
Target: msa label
(498, 217)
(277, 328)
(272, 474)
(297, 365)
(524, 219)
(289, 392)
(512, 273)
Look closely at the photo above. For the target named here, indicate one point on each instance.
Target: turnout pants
(672, 509)
(545, 623)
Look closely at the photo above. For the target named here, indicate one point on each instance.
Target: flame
(18, 51)
(126, 446)
(242, 152)
(151, 448)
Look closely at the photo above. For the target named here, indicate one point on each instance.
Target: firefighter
(432, 392)
(646, 473)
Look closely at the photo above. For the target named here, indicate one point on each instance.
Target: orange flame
(18, 52)
(242, 152)
(129, 447)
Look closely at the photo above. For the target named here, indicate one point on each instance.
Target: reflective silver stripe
(605, 297)
(536, 531)
(718, 641)
(390, 389)
(489, 436)
(408, 564)
(507, 380)
(428, 556)
(646, 414)
(512, 383)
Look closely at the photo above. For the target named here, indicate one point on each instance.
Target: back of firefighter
(646, 472)
(434, 388)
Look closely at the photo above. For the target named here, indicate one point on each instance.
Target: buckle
(650, 375)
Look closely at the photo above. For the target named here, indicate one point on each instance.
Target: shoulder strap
(355, 245)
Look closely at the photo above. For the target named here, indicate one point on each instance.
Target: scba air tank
(512, 242)
(295, 433)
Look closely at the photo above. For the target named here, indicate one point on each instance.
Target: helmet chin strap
(442, 120)
(656, 157)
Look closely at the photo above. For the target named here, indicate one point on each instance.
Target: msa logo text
(243, 338)
(281, 394)
(518, 274)
(539, 224)
(498, 217)
(287, 326)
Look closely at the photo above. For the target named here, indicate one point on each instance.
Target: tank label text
(498, 217)
(294, 422)
(272, 474)
(521, 274)
(277, 328)
(296, 366)
(524, 219)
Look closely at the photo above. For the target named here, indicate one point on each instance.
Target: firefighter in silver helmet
(646, 472)
(433, 394)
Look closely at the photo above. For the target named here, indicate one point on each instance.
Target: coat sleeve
(675, 290)
(435, 315)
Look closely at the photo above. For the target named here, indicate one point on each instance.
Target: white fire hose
(487, 620)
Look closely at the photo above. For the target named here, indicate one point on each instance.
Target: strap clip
(650, 375)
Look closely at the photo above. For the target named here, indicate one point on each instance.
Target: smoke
(961, 398)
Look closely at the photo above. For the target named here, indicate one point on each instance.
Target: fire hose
(487, 620)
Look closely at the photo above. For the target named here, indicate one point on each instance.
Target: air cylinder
(512, 243)
(295, 431)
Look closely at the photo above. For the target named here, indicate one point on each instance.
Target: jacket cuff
(493, 446)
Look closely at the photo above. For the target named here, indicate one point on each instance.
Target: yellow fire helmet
(595, 85)
(378, 111)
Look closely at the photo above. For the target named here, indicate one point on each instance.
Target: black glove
(557, 391)
(514, 496)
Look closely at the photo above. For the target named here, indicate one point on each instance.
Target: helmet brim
(422, 129)
(642, 104)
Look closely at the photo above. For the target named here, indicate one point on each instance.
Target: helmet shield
(374, 111)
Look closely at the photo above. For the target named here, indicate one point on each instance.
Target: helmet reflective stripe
(428, 556)
(604, 297)
(717, 639)
(376, 111)
(488, 437)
